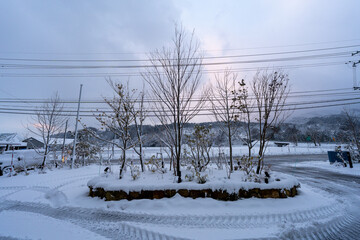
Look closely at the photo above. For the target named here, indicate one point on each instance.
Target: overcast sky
(130, 29)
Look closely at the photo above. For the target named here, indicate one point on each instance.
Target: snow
(337, 168)
(239, 150)
(214, 233)
(11, 139)
(216, 180)
(36, 226)
(65, 187)
(178, 205)
(182, 217)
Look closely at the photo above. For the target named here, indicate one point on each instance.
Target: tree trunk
(123, 163)
(230, 149)
(141, 157)
(45, 155)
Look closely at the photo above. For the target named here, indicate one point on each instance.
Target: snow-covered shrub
(155, 164)
(219, 159)
(252, 177)
(200, 143)
(189, 174)
(192, 173)
(354, 152)
(345, 161)
(247, 164)
(201, 177)
(134, 171)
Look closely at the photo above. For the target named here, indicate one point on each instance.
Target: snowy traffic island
(213, 183)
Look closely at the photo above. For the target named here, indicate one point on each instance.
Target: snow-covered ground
(337, 168)
(55, 205)
(27, 225)
(239, 150)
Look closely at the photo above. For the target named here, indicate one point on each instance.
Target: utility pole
(354, 63)
(63, 145)
(76, 124)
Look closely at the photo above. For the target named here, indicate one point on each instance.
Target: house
(33, 143)
(11, 141)
(54, 143)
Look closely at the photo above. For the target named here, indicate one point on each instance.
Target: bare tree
(266, 108)
(352, 124)
(120, 120)
(292, 133)
(139, 118)
(314, 135)
(245, 106)
(271, 90)
(221, 98)
(47, 121)
(174, 77)
(87, 147)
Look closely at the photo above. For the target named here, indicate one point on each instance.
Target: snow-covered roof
(11, 139)
(60, 141)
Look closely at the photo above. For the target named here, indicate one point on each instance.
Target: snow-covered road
(55, 206)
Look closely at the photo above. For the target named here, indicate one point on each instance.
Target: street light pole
(76, 124)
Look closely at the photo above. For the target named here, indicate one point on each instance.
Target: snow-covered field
(55, 205)
(239, 150)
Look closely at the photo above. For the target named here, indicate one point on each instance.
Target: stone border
(217, 194)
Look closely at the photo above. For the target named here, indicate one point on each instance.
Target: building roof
(57, 141)
(11, 139)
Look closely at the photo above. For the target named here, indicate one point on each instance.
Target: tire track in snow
(225, 221)
(41, 188)
(343, 227)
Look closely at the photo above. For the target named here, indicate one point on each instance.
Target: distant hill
(318, 129)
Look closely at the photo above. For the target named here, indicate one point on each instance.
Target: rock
(109, 196)
(183, 192)
(196, 194)
(218, 194)
(158, 194)
(269, 193)
(146, 194)
(170, 193)
(91, 193)
(254, 192)
(133, 195)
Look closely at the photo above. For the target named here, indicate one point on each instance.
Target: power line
(207, 50)
(33, 66)
(149, 60)
(298, 94)
(135, 74)
(202, 109)
(199, 114)
(66, 107)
